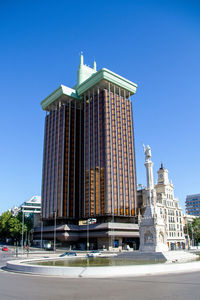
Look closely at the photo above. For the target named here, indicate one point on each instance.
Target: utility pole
(89, 221)
(22, 231)
(88, 235)
(188, 236)
(41, 238)
(54, 232)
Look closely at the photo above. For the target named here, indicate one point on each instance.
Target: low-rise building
(15, 210)
(187, 226)
(32, 208)
(192, 205)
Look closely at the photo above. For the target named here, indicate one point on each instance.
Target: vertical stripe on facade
(57, 207)
(111, 206)
(128, 164)
(49, 169)
(117, 154)
(62, 162)
(68, 166)
(99, 164)
(108, 192)
(44, 167)
(122, 208)
(89, 158)
(53, 163)
(47, 166)
(84, 168)
(93, 153)
(128, 153)
(134, 161)
(80, 162)
(74, 188)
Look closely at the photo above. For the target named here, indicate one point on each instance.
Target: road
(5, 256)
(23, 287)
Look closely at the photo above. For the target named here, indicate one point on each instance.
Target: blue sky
(155, 44)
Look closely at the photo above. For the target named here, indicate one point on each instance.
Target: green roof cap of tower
(107, 75)
(58, 93)
(87, 78)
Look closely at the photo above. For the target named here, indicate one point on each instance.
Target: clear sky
(155, 44)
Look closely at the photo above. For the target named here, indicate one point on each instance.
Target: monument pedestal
(152, 232)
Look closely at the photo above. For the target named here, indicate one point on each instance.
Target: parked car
(94, 253)
(68, 254)
(5, 248)
(48, 246)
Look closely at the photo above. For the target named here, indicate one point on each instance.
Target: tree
(4, 224)
(196, 229)
(15, 229)
(11, 226)
(189, 229)
(27, 221)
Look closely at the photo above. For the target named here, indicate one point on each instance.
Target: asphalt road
(5, 256)
(33, 287)
(23, 287)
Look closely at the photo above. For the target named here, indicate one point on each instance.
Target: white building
(169, 209)
(32, 206)
(15, 210)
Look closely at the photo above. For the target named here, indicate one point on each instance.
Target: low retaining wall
(103, 272)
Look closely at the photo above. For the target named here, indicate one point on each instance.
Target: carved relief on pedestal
(148, 237)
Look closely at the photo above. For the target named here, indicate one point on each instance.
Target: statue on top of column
(147, 152)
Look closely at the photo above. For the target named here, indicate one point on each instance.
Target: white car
(94, 253)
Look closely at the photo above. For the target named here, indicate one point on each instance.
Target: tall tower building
(89, 155)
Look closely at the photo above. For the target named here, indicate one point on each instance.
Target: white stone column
(149, 175)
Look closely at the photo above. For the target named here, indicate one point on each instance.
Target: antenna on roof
(81, 58)
(94, 65)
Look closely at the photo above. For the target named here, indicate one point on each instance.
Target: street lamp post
(41, 238)
(54, 231)
(113, 236)
(88, 235)
(22, 231)
(89, 221)
(188, 237)
(26, 238)
(16, 248)
(192, 236)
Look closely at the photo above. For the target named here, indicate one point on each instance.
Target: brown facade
(110, 185)
(61, 162)
(89, 157)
